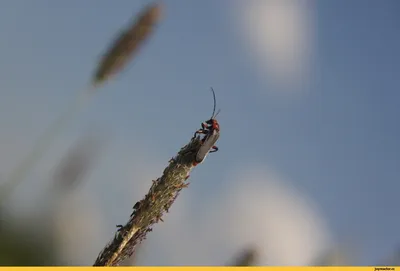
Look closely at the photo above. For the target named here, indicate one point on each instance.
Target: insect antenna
(215, 116)
(215, 103)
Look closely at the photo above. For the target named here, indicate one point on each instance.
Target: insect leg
(214, 149)
(200, 131)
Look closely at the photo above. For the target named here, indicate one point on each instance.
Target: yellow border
(206, 268)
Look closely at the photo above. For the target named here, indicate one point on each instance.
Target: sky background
(309, 147)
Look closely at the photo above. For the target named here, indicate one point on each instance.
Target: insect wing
(207, 145)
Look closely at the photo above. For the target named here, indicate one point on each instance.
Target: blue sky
(332, 134)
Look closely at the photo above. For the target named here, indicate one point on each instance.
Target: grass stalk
(151, 208)
(114, 60)
(41, 146)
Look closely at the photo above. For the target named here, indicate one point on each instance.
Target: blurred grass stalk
(34, 240)
(247, 257)
(127, 43)
(149, 210)
(113, 61)
(40, 147)
(76, 164)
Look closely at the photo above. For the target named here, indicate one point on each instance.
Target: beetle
(210, 129)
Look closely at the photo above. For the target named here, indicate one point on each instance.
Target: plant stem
(149, 210)
(42, 145)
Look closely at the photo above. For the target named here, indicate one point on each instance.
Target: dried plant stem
(127, 43)
(149, 210)
(43, 143)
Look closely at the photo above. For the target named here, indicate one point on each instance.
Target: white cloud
(284, 224)
(256, 209)
(280, 35)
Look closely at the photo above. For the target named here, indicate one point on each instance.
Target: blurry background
(309, 150)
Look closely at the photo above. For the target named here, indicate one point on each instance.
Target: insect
(210, 129)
